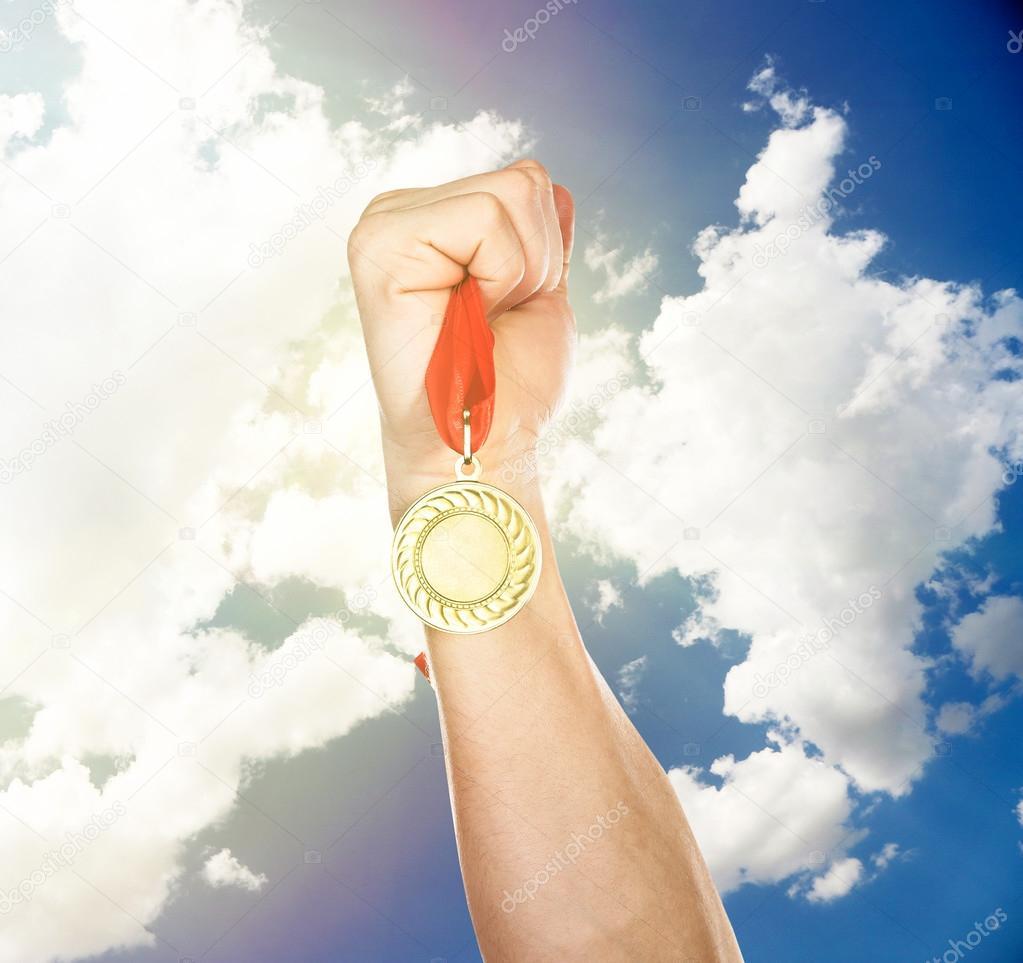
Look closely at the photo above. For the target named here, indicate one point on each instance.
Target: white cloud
(792, 106)
(223, 869)
(622, 275)
(991, 638)
(802, 483)
(393, 106)
(246, 409)
(956, 718)
(839, 880)
(960, 718)
(887, 854)
(608, 597)
(776, 813)
(629, 677)
(795, 467)
(21, 115)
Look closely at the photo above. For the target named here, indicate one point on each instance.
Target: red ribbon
(460, 377)
(460, 374)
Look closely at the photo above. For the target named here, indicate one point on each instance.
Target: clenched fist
(510, 229)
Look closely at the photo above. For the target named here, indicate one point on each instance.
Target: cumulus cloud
(833, 433)
(886, 855)
(960, 718)
(956, 718)
(20, 116)
(630, 676)
(844, 873)
(776, 813)
(791, 106)
(991, 639)
(607, 597)
(621, 274)
(185, 389)
(840, 878)
(224, 869)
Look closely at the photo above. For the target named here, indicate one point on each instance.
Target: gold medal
(466, 556)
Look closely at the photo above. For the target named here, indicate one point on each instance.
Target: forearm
(572, 841)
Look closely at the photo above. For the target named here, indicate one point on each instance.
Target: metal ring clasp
(468, 466)
(466, 437)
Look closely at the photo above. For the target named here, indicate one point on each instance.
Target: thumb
(566, 219)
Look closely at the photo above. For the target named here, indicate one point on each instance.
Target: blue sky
(638, 109)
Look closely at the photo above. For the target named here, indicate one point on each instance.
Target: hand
(512, 229)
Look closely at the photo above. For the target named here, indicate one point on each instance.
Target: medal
(466, 556)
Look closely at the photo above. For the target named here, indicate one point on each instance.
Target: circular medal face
(466, 557)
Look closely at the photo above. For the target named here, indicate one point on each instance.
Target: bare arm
(572, 842)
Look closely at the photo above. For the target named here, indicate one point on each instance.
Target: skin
(572, 843)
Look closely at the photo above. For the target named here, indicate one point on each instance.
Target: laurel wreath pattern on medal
(523, 562)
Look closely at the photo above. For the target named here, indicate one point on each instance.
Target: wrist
(413, 469)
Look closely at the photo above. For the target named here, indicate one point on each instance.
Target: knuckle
(520, 186)
(380, 199)
(491, 208)
(365, 235)
(354, 243)
(536, 170)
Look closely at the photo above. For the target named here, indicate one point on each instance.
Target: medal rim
(520, 603)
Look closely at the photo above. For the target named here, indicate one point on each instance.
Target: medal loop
(466, 437)
(468, 467)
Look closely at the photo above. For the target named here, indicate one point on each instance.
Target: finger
(431, 246)
(565, 208)
(543, 181)
(566, 220)
(519, 189)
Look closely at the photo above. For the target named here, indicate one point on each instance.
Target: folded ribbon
(460, 375)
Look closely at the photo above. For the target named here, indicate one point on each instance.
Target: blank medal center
(465, 557)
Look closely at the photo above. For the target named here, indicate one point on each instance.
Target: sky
(786, 488)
